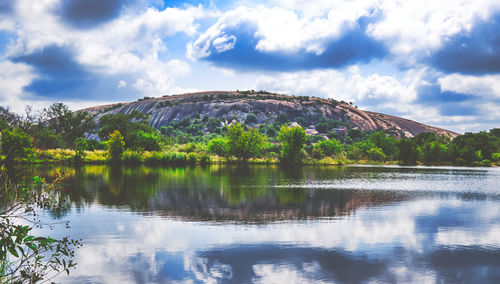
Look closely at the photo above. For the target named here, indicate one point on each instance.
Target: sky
(436, 62)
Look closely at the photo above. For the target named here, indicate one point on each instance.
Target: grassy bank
(67, 156)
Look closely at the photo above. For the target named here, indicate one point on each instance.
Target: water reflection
(157, 225)
(249, 194)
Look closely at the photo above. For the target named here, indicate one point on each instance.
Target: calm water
(271, 225)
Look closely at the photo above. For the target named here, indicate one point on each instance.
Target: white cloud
(416, 25)
(128, 46)
(410, 28)
(348, 86)
(282, 29)
(486, 86)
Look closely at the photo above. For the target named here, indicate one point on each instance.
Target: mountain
(266, 106)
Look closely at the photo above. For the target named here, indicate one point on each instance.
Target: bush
(205, 159)
(176, 158)
(376, 154)
(116, 146)
(46, 139)
(16, 145)
(495, 157)
(292, 143)
(244, 144)
(131, 157)
(218, 146)
(330, 147)
(155, 158)
(192, 158)
(317, 152)
(147, 141)
(251, 118)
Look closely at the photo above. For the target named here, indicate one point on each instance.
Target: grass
(176, 156)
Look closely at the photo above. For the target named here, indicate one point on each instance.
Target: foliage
(218, 146)
(81, 145)
(376, 154)
(408, 153)
(205, 159)
(131, 157)
(24, 257)
(324, 125)
(16, 145)
(127, 124)
(292, 143)
(44, 138)
(387, 143)
(250, 118)
(116, 146)
(244, 144)
(70, 125)
(147, 141)
(281, 118)
(192, 158)
(330, 147)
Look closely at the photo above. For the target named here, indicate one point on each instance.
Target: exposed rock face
(230, 105)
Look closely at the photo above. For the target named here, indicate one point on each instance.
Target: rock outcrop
(266, 107)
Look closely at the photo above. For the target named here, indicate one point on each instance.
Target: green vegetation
(24, 257)
(116, 146)
(59, 135)
(292, 142)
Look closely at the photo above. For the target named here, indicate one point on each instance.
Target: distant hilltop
(266, 108)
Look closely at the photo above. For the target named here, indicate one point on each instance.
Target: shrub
(46, 139)
(116, 146)
(330, 147)
(317, 152)
(131, 157)
(192, 158)
(376, 154)
(16, 145)
(251, 118)
(292, 143)
(147, 141)
(205, 159)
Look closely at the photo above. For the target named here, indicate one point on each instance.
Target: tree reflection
(240, 192)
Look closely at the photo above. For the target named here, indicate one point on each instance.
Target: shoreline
(174, 158)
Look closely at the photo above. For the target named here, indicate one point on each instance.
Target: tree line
(194, 139)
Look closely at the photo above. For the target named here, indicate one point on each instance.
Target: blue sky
(437, 62)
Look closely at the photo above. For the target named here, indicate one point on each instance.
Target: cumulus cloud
(476, 51)
(277, 39)
(369, 90)
(69, 62)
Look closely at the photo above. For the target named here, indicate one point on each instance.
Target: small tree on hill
(292, 142)
(116, 146)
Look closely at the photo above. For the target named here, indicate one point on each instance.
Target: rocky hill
(228, 106)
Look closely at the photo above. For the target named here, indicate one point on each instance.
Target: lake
(240, 224)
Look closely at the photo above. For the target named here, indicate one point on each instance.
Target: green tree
(44, 138)
(376, 154)
(244, 144)
(148, 141)
(251, 118)
(330, 147)
(386, 142)
(81, 144)
(116, 146)
(218, 146)
(408, 153)
(127, 124)
(70, 125)
(16, 145)
(292, 142)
